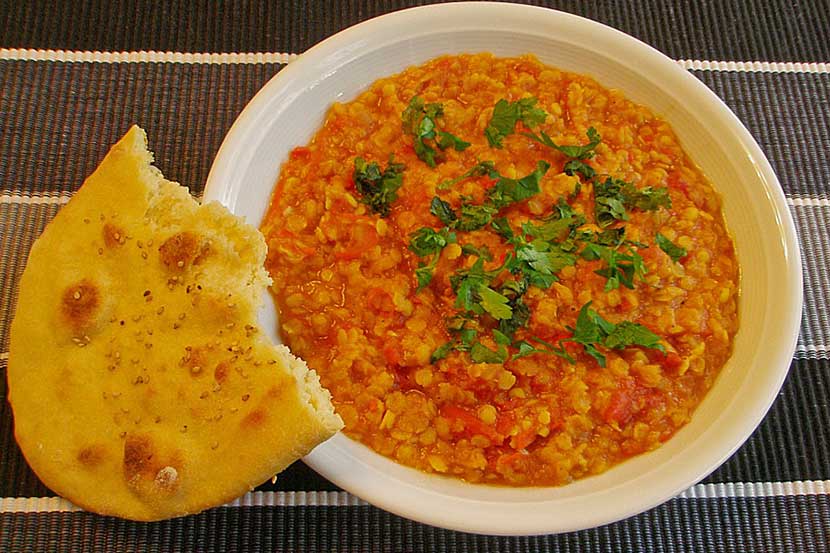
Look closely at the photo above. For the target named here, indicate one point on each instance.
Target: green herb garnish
(507, 114)
(575, 152)
(426, 241)
(420, 120)
(480, 353)
(507, 191)
(378, 189)
(479, 170)
(620, 267)
(613, 197)
(592, 331)
(673, 250)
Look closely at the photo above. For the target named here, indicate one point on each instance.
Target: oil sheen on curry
(503, 272)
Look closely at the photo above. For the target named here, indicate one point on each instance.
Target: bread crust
(141, 384)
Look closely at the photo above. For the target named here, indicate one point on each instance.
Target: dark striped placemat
(764, 30)
(58, 118)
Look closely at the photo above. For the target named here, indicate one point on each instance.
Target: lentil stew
(502, 271)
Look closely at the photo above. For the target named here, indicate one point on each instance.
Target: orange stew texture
(502, 271)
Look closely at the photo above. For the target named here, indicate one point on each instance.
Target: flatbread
(141, 384)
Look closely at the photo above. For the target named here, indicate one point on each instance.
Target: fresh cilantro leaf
(502, 228)
(646, 199)
(443, 210)
(479, 170)
(518, 319)
(632, 334)
(412, 116)
(423, 274)
(507, 191)
(563, 210)
(585, 151)
(473, 216)
(514, 289)
(447, 140)
(457, 322)
(612, 237)
(578, 166)
(507, 114)
(378, 189)
(526, 348)
(467, 292)
(425, 153)
(440, 353)
(425, 241)
(592, 330)
(620, 268)
(482, 251)
(544, 257)
(482, 354)
(420, 121)
(673, 250)
(494, 303)
(540, 280)
(577, 189)
(529, 114)
(466, 337)
(587, 329)
(500, 338)
(614, 196)
(554, 230)
(609, 201)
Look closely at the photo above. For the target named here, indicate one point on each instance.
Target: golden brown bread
(140, 382)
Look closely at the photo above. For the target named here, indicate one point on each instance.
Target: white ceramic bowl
(288, 110)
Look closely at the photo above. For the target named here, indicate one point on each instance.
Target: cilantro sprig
(480, 169)
(420, 120)
(378, 189)
(491, 310)
(614, 197)
(507, 114)
(673, 250)
(593, 332)
(426, 241)
(504, 192)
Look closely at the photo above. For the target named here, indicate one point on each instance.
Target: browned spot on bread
(91, 456)
(80, 303)
(254, 419)
(138, 457)
(278, 389)
(222, 371)
(182, 250)
(113, 235)
(147, 471)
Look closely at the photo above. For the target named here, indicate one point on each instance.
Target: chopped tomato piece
(619, 409)
(672, 361)
(300, 153)
(472, 423)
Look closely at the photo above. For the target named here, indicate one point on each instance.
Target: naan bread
(141, 384)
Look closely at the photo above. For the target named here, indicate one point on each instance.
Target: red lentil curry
(502, 271)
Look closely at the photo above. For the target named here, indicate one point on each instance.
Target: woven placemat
(763, 30)
(57, 119)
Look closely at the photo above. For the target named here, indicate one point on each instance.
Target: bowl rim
(233, 151)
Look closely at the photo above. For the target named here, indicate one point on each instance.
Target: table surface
(62, 106)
